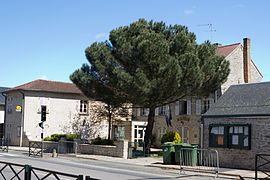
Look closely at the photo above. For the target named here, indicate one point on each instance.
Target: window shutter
(156, 111)
(147, 111)
(138, 111)
(198, 106)
(176, 108)
(188, 107)
(167, 110)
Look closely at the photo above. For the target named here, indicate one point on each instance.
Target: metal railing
(37, 148)
(27, 172)
(262, 164)
(198, 159)
(136, 149)
(4, 144)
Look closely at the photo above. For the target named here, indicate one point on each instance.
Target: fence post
(87, 178)
(27, 172)
(80, 177)
(256, 166)
(29, 148)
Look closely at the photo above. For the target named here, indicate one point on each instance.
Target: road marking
(11, 155)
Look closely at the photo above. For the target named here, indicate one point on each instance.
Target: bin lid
(184, 145)
(168, 144)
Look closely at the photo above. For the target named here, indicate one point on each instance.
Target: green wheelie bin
(168, 153)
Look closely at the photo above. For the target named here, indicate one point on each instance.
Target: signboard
(18, 108)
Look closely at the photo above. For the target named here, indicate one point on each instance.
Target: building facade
(237, 126)
(2, 110)
(186, 113)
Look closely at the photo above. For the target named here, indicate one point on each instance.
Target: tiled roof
(48, 86)
(244, 99)
(2, 98)
(226, 50)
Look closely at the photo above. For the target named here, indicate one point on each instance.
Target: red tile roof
(48, 86)
(226, 50)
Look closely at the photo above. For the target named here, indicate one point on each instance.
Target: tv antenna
(211, 30)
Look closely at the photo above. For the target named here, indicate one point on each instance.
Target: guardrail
(198, 159)
(261, 161)
(27, 172)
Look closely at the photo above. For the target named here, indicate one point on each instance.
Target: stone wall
(119, 150)
(240, 158)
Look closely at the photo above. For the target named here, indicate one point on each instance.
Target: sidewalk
(152, 162)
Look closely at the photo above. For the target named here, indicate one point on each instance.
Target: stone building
(186, 113)
(238, 125)
(66, 107)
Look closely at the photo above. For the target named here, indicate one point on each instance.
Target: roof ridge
(250, 84)
(52, 81)
(229, 45)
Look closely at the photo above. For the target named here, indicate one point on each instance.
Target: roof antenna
(211, 30)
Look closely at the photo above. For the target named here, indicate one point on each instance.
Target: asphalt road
(93, 168)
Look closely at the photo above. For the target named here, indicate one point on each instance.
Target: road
(97, 169)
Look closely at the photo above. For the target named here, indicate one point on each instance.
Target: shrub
(57, 137)
(171, 137)
(99, 141)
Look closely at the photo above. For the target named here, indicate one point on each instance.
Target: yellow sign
(18, 108)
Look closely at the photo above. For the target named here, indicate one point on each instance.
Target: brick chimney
(246, 59)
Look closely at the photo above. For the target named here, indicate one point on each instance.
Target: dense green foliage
(57, 137)
(171, 136)
(99, 141)
(150, 64)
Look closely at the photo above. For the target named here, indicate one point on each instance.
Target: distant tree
(150, 64)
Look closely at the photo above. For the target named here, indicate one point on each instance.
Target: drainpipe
(5, 106)
(202, 128)
(22, 120)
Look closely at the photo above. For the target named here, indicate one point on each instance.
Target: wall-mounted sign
(18, 108)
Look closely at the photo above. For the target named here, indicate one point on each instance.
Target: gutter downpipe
(202, 129)
(5, 108)
(22, 120)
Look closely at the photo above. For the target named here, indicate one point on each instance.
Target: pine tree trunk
(149, 128)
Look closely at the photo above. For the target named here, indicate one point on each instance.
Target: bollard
(27, 172)
(54, 153)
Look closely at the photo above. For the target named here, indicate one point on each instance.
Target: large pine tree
(150, 64)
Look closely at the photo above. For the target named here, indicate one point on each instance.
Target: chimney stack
(246, 59)
(217, 44)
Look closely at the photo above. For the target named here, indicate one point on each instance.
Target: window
(83, 107)
(161, 110)
(184, 134)
(162, 131)
(239, 137)
(119, 132)
(139, 132)
(144, 111)
(205, 105)
(230, 136)
(182, 107)
(217, 136)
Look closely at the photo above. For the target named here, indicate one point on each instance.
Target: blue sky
(47, 39)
